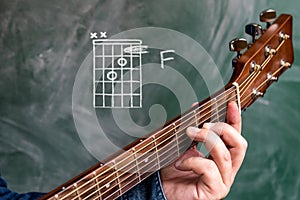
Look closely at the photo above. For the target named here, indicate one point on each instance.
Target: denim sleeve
(150, 188)
(6, 194)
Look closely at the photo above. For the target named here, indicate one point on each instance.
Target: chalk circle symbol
(112, 75)
(122, 62)
(141, 49)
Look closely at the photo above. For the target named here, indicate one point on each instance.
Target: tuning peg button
(256, 93)
(253, 30)
(269, 51)
(267, 16)
(270, 77)
(238, 44)
(285, 64)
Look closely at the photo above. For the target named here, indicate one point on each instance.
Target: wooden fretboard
(116, 176)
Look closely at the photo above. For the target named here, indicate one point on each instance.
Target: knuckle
(226, 156)
(244, 144)
(211, 166)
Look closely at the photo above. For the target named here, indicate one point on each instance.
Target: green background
(43, 43)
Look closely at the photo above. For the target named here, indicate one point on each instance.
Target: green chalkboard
(43, 45)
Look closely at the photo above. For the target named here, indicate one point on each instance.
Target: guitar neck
(118, 174)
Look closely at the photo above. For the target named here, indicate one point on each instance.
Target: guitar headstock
(265, 59)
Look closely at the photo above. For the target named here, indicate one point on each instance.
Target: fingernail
(208, 125)
(234, 104)
(192, 130)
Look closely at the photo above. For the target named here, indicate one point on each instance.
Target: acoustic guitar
(255, 69)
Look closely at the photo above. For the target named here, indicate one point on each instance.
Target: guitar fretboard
(161, 148)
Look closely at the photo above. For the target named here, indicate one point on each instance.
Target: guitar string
(200, 108)
(261, 85)
(265, 62)
(153, 153)
(263, 65)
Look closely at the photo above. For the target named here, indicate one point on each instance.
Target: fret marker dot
(56, 196)
(107, 185)
(146, 160)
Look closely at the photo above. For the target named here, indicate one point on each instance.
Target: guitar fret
(147, 160)
(156, 150)
(168, 158)
(107, 182)
(176, 140)
(196, 118)
(97, 185)
(127, 169)
(137, 164)
(117, 176)
(214, 110)
(76, 191)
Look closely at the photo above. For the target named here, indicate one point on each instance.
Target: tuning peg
(267, 16)
(253, 30)
(238, 44)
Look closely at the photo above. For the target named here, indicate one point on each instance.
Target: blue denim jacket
(150, 188)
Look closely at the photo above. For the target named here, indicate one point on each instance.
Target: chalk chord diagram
(117, 73)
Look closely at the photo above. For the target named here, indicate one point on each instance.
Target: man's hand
(193, 176)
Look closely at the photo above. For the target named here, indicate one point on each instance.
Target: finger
(170, 172)
(191, 152)
(233, 116)
(205, 168)
(236, 144)
(194, 104)
(218, 151)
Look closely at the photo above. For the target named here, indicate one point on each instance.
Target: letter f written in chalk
(163, 59)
